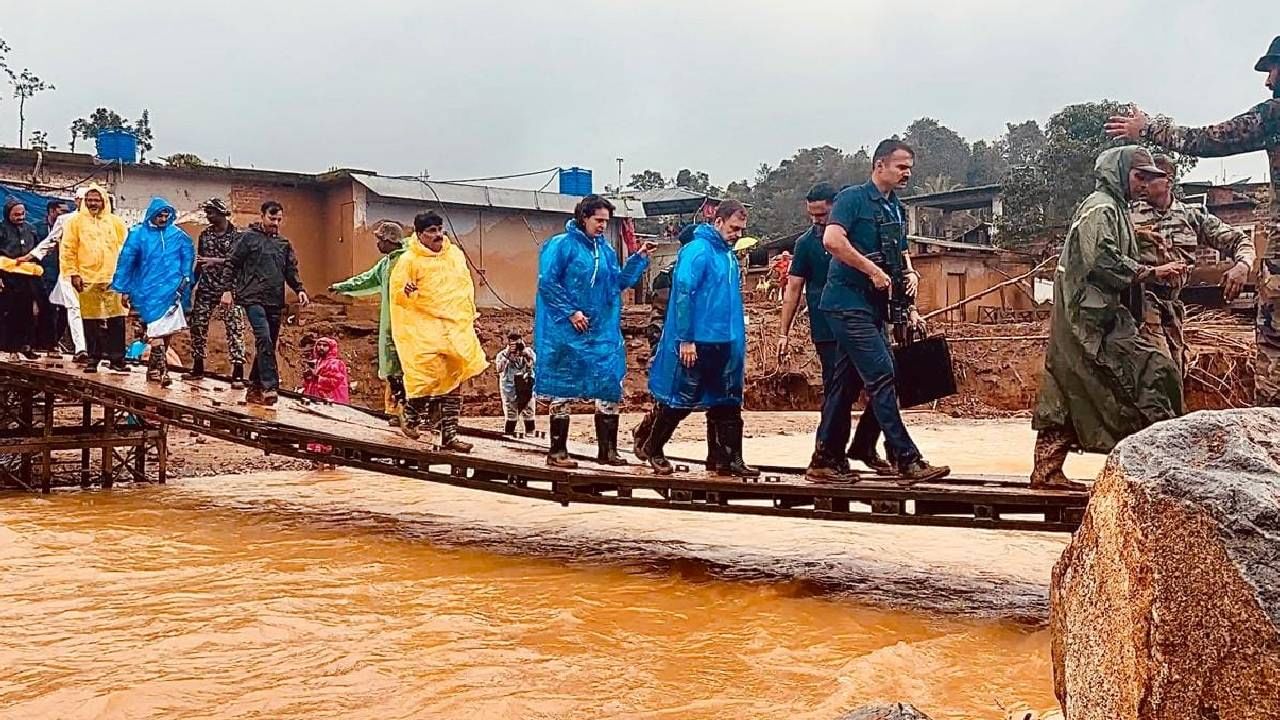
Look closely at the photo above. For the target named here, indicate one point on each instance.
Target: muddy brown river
(348, 595)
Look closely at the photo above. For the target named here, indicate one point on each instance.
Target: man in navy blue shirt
(855, 302)
(808, 277)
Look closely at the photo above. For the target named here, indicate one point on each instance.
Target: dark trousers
(52, 322)
(17, 313)
(105, 339)
(265, 323)
(834, 382)
(865, 361)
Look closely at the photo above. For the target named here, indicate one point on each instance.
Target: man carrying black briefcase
(868, 282)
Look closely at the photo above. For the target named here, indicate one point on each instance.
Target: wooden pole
(992, 289)
(162, 454)
(108, 452)
(86, 422)
(47, 455)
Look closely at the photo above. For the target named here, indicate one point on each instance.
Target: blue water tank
(575, 181)
(117, 145)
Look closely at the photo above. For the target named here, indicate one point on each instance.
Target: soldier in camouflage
(214, 280)
(1256, 129)
(1169, 230)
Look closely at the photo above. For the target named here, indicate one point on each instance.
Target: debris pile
(997, 366)
(1220, 358)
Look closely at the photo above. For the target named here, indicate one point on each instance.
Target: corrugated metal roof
(483, 196)
(953, 244)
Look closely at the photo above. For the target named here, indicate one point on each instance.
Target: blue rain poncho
(578, 273)
(706, 309)
(155, 265)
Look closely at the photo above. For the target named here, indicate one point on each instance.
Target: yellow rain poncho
(90, 247)
(434, 327)
(9, 265)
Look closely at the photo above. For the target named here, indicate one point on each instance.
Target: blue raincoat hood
(157, 204)
(577, 273)
(705, 308)
(156, 265)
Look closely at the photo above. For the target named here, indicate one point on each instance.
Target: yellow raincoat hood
(91, 243)
(434, 328)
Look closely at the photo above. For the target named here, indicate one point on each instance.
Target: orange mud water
(350, 595)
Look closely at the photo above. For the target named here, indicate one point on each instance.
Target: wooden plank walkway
(361, 439)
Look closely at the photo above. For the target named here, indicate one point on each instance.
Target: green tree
(87, 128)
(1022, 143)
(39, 140)
(987, 164)
(107, 119)
(25, 85)
(142, 130)
(777, 195)
(939, 151)
(1046, 183)
(183, 160)
(698, 182)
(647, 180)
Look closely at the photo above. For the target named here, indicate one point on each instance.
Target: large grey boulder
(1166, 604)
(885, 711)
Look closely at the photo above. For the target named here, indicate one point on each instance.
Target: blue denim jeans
(864, 361)
(265, 323)
(835, 379)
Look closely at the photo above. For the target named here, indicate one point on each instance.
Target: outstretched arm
(1246, 132)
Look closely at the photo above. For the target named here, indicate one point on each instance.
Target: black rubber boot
(717, 458)
(156, 365)
(237, 374)
(665, 422)
(509, 429)
(607, 440)
(640, 435)
(528, 427)
(729, 434)
(197, 369)
(411, 417)
(559, 452)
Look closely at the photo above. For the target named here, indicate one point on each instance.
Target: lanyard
(892, 208)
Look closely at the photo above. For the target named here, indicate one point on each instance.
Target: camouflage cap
(216, 205)
(1271, 59)
(389, 230)
(1143, 161)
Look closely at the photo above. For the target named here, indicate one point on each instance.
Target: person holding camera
(514, 364)
(855, 302)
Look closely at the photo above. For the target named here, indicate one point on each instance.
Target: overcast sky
(474, 87)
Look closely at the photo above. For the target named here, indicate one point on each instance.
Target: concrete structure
(966, 214)
(329, 216)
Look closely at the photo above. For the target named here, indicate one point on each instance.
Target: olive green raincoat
(1101, 378)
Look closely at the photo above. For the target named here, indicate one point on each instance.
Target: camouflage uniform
(1173, 235)
(659, 297)
(1257, 129)
(214, 280)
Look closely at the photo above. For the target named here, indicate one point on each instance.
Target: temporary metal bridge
(50, 410)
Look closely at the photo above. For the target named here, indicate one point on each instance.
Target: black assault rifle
(890, 259)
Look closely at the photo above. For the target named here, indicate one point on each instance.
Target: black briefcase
(923, 370)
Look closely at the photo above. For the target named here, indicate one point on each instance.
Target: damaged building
(329, 216)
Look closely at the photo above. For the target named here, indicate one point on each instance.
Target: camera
(519, 345)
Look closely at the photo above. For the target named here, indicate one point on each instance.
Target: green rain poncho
(1101, 378)
(374, 280)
